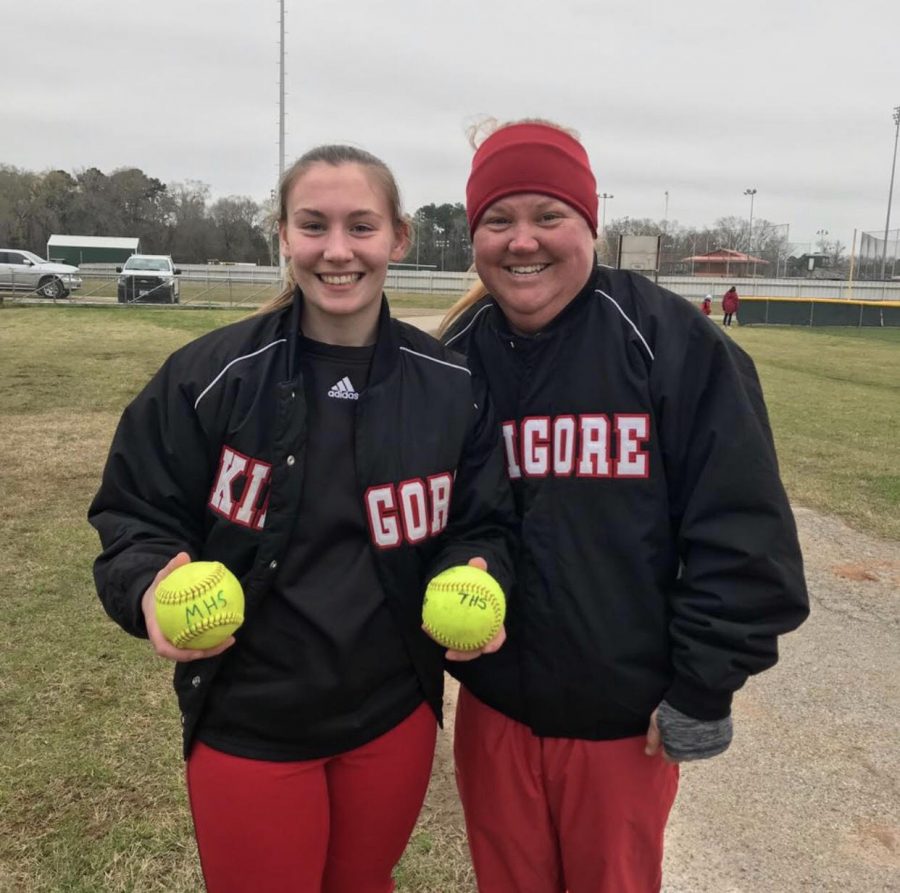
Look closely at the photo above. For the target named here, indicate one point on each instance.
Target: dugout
(78, 250)
(817, 312)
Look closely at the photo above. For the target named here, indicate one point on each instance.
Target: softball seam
(198, 590)
(204, 626)
(476, 589)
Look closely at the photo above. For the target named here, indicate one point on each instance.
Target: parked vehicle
(25, 271)
(148, 279)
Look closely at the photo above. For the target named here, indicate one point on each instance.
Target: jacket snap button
(291, 460)
(273, 565)
(195, 681)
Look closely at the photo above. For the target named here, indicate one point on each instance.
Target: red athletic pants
(546, 815)
(334, 825)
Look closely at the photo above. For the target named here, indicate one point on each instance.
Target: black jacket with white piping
(208, 459)
(659, 556)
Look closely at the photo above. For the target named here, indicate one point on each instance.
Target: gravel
(808, 795)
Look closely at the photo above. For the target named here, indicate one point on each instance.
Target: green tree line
(181, 219)
(177, 218)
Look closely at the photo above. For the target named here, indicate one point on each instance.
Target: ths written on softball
(199, 605)
(464, 608)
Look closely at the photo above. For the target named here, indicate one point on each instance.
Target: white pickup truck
(148, 278)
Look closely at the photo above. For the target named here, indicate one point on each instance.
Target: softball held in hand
(464, 608)
(199, 605)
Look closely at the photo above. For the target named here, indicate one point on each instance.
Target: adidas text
(343, 390)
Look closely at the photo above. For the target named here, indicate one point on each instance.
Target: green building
(78, 250)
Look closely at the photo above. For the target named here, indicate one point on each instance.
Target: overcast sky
(698, 98)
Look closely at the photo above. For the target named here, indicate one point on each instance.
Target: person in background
(658, 561)
(730, 304)
(706, 306)
(334, 459)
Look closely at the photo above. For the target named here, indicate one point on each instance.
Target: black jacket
(659, 555)
(235, 398)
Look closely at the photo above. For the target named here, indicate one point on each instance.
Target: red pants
(334, 825)
(546, 815)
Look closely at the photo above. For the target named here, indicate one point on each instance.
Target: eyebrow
(543, 203)
(313, 212)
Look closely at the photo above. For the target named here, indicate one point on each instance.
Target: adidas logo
(343, 390)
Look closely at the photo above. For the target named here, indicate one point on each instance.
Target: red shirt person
(730, 304)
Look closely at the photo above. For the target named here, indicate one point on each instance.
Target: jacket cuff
(699, 703)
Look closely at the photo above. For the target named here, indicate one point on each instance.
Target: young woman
(334, 459)
(658, 559)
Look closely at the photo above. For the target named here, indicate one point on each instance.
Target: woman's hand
(491, 646)
(161, 645)
(654, 740)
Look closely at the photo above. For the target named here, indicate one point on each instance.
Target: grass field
(91, 791)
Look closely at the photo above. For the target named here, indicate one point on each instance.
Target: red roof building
(725, 263)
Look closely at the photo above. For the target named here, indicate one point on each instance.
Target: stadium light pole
(751, 193)
(887, 222)
(603, 196)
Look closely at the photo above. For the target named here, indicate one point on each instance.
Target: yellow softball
(199, 605)
(464, 608)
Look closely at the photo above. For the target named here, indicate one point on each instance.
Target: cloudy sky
(699, 99)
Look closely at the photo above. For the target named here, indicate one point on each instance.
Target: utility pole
(281, 111)
(887, 223)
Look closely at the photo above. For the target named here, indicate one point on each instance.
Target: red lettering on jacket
(240, 491)
(560, 446)
(410, 511)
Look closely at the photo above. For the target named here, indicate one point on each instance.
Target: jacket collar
(387, 340)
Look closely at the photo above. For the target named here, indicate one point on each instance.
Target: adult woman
(313, 448)
(658, 559)
(730, 304)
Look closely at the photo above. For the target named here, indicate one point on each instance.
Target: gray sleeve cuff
(685, 738)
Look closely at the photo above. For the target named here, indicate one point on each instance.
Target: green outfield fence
(817, 312)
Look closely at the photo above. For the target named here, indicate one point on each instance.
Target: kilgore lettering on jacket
(409, 512)
(563, 445)
(240, 483)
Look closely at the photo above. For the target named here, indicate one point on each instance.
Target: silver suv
(25, 271)
(148, 278)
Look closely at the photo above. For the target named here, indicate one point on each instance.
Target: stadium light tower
(887, 222)
(603, 196)
(751, 193)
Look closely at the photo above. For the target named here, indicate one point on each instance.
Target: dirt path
(808, 796)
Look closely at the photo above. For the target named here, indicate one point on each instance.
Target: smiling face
(339, 236)
(534, 253)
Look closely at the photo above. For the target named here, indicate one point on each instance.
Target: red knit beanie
(531, 158)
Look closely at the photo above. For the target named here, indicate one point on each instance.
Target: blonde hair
(477, 133)
(335, 155)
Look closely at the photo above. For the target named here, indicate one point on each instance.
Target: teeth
(534, 268)
(343, 279)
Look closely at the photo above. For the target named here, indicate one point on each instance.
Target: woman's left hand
(654, 740)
